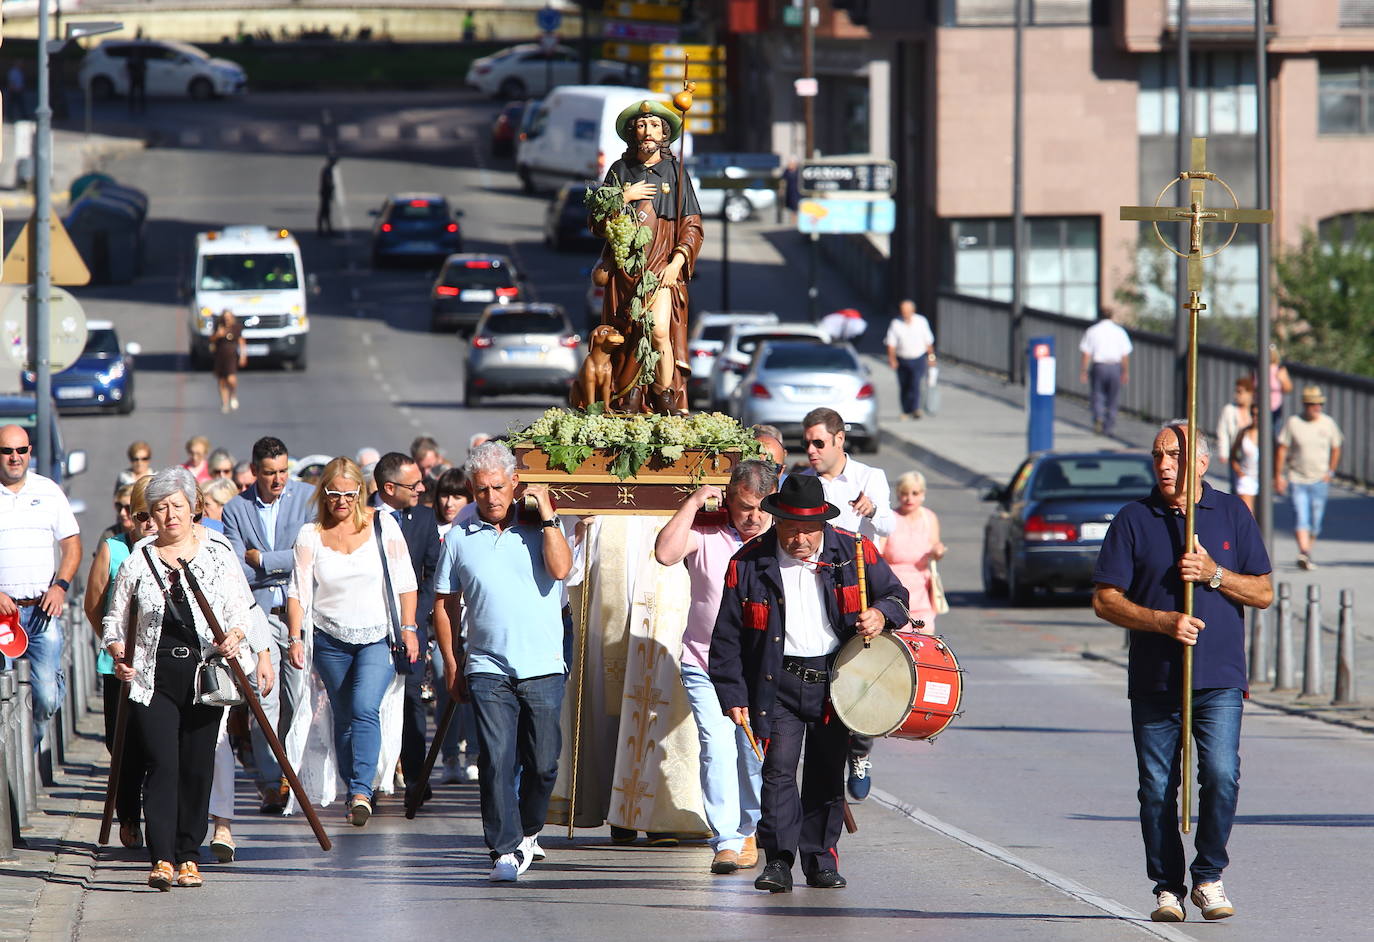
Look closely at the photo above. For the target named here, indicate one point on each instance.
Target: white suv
(527, 70)
(174, 69)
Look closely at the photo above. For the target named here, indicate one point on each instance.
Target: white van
(573, 135)
(256, 272)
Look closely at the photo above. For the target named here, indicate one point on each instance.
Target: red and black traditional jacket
(747, 644)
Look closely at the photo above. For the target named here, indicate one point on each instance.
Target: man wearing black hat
(791, 599)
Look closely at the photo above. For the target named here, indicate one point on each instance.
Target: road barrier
(1345, 652)
(1284, 676)
(1312, 683)
(24, 687)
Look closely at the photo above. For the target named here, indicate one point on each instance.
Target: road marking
(367, 340)
(230, 135)
(1052, 667)
(309, 132)
(372, 362)
(389, 132)
(190, 138)
(349, 132)
(1060, 882)
(427, 132)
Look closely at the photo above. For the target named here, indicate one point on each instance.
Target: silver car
(737, 350)
(704, 343)
(521, 348)
(787, 379)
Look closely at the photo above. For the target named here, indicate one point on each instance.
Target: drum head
(873, 687)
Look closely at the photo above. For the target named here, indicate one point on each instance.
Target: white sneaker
(1168, 907)
(523, 855)
(506, 869)
(531, 849)
(472, 773)
(1211, 899)
(453, 772)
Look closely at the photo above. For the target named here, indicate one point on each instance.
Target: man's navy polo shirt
(1140, 556)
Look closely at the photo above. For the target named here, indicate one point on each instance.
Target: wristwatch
(62, 584)
(410, 628)
(1216, 579)
(550, 523)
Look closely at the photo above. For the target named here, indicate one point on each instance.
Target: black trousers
(133, 767)
(804, 824)
(414, 723)
(178, 739)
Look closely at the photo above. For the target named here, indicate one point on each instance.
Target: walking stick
(863, 578)
(415, 796)
(268, 732)
(121, 724)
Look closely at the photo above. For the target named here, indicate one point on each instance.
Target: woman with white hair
(170, 638)
(914, 545)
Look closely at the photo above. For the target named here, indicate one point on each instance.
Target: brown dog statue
(593, 382)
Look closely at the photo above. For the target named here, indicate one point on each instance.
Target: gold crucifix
(1197, 214)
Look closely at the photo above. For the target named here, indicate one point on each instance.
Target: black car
(566, 221)
(1052, 516)
(415, 226)
(467, 285)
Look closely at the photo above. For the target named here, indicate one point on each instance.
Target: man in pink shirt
(730, 772)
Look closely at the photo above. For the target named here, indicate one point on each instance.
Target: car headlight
(109, 376)
(298, 318)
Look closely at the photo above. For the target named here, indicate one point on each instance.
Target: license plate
(812, 392)
(477, 294)
(523, 355)
(1093, 531)
(73, 392)
(258, 349)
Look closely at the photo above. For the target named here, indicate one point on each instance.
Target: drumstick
(753, 743)
(863, 581)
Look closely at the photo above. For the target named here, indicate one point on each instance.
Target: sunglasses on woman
(143, 516)
(349, 496)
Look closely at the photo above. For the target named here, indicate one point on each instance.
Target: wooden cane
(414, 795)
(251, 698)
(753, 743)
(850, 824)
(863, 579)
(121, 724)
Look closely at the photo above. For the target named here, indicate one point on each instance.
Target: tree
(1328, 284)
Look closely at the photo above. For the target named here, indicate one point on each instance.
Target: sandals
(222, 844)
(188, 874)
(161, 876)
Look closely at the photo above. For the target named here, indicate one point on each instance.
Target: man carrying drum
(792, 596)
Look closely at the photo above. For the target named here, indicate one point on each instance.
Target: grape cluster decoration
(629, 243)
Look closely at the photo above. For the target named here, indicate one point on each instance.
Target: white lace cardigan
(221, 579)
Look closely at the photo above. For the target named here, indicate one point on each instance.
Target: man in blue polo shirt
(1139, 576)
(511, 666)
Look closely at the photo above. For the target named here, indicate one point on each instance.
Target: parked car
(527, 69)
(1050, 519)
(737, 350)
(572, 135)
(789, 378)
(505, 128)
(565, 219)
(101, 378)
(467, 285)
(738, 205)
(22, 409)
(415, 226)
(521, 348)
(173, 69)
(704, 343)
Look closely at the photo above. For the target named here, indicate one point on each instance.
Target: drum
(905, 685)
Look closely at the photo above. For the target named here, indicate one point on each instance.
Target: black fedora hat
(801, 497)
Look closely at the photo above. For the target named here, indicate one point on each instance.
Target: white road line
(1060, 882)
(190, 138)
(230, 135)
(367, 341)
(309, 132)
(427, 132)
(389, 132)
(373, 363)
(349, 132)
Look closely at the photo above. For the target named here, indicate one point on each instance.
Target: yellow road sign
(703, 91)
(625, 52)
(706, 125)
(68, 268)
(673, 70)
(676, 52)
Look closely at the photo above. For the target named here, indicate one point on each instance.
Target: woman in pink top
(913, 544)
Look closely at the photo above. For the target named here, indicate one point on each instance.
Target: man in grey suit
(262, 524)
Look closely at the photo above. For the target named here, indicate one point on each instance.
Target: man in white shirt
(1106, 349)
(33, 514)
(910, 346)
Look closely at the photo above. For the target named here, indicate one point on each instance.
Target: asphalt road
(1018, 823)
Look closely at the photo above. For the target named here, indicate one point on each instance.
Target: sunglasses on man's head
(18, 450)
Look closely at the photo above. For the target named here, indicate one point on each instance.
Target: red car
(505, 128)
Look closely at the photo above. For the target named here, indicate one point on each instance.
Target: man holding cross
(1140, 577)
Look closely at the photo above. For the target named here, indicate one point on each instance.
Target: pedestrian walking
(511, 663)
(1106, 368)
(16, 95)
(459, 748)
(351, 573)
(136, 66)
(35, 517)
(469, 27)
(243, 475)
(913, 547)
(122, 521)
(731, 774)
(1280, 385)
(790, 599)
(324, 216)
(1139, 579)
(1305, 461)
(197, 462)
(215, 494)
(170, 637)
(140, 455)
(774, 450)
(910, 349)
(425, 452)
(1245, 461)
(230, 352)
(1234, 418)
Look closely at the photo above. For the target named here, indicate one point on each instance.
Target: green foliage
(1329, 287)
(567, 457)
(629, 244)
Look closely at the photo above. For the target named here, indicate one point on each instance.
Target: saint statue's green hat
(625, 123)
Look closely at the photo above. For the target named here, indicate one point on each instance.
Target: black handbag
(399, 657)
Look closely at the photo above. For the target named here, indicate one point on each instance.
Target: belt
(809, 675)
(180, 652)
(28, 603)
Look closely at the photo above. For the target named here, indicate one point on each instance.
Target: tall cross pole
(1197, 215)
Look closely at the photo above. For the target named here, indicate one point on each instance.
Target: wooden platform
(659, 488)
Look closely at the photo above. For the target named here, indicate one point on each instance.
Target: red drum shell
(905, 685)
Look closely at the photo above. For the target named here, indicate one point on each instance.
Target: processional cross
(1196, 214)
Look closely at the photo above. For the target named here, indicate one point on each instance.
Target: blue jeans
(45, 662)
(355, 677)
(1309, 505)
(911, 378)
(731, 775)
(517, 722)
(1156, 726)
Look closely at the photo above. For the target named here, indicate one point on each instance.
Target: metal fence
(975, 331)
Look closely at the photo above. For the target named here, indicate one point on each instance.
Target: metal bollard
(1285, 677)
(14, 752)
(1345, 652)
(1312, 681)
(1258, 668)
(9, 825)
(28, 755)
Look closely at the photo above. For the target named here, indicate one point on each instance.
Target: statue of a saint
(660, 197)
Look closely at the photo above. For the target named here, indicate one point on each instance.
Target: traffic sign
(626, 52)
(640, 32)
(548, 42)
(548, 19)
(846, 216)
(697, 52)
(806, 87)
(848, 177)
(711, 163)
(657, 12)
(66, 329)
(68, 268)
(674, 70)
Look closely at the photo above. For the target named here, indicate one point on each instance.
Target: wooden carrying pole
(121, 728)
(251, 698)
(1194, 487)
(415, 795)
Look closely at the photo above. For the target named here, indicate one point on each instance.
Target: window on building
(1223, 87)
(1219, 13)
(1230, 281)
(1345, 96)
(1037, 12)
(1061, 266)
(1357, 13)
(1342, 228)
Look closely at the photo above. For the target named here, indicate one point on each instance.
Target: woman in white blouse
(338, 588)
(170, 637)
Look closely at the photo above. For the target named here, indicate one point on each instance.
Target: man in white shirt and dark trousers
(791, 599)
(34, 513)
(910, 346)
(1106, 349)
(864, 499)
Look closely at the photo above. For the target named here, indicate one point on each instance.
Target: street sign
(640, 32)
(712, 163)
(698, 52)
(846, 216)
(848, 177)
(66, 329)
(657, 12)
(806, 87)
(696, 70)
(68, 268)
(704, 90)
(548, 19)
(548, 42)
(705, 126)
(626, 52)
